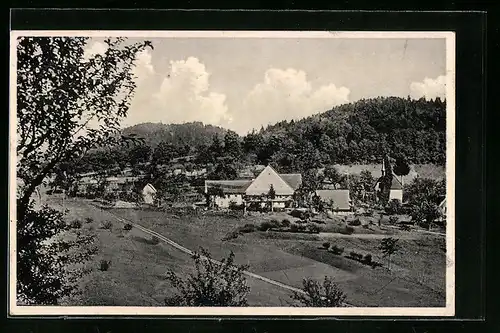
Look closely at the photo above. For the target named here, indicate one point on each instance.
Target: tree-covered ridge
(361, 132)
(193, 134)
(356, 133)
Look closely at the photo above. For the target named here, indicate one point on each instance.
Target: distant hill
(193, 134)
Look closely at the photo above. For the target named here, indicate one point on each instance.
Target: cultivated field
(138, 266)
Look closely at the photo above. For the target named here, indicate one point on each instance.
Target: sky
(243, 84)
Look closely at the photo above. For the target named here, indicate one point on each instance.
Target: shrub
(355, 222)
(285, 223)
(230, 235)
(313, 228)
(89, 220)
(275, 223)
(404, 227)
(368, 213)
(356, 256)
(294, 227)
(76, 224)
(247, 228)
(393, 207)
(213, 284)
(367, 259)
(337, 250)
(315, 294)
(326, 245)
(266, 225)
(154, 240)
(347, 230)
(104, 265)
(393, 220)
(107, 225)
(127, 226)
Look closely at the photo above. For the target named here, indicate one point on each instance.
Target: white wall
(396, 194)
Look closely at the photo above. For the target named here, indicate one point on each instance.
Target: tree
(66, 106)
(271, 195)
(232, 144)
(333, 175)
(401, 167)
(139, 154)
(367, 181)
(43, 261)
(213, 284)
(59, 94)
(425, 211)
(315, 294)
(389, 246)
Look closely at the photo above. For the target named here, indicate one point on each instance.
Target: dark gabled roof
(395, 185)
(293, 179)
(230, 186)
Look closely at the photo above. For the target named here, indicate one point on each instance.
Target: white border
(448, 310)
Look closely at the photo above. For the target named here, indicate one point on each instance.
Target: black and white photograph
(232, 173)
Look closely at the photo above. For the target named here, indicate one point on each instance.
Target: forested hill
(355, 133)
(193, 134)
(358, 132)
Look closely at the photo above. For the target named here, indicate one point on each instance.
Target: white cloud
(287, 94)
(429, 88)
(143, 66)
(183, 96)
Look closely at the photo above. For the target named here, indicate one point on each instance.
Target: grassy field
(136, 275)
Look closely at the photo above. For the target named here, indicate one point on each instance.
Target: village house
(255, 192)
(149, 194)
(335, 200)
(396, 190)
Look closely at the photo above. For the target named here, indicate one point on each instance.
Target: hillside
(192, 134)
(357, 133)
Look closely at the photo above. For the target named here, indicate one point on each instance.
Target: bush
(104, 265)
(230, 235)
(356, 256)
(266, 225)
(368, 213)
(76, 224)
(107, 225)
(356, 222)
(89, 220)
(393, 220)
(213, 284)
(127, 226)
(285, 223)
(347, 230)
(313, 228)
(393, 207)
(154, 240)
(404, 227)
(367, 259)
(326, 245)
(275, 223)
(294, 227)
(247, 228)
(315, 294)
(337, 250)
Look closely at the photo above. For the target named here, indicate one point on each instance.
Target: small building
(149, 194)
(443, 209)
(396, 190)
(284, 186)
(256, 191)
(231, 191)
(338, 201)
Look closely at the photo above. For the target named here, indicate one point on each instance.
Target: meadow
(136, 275)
